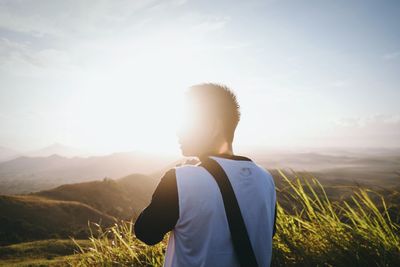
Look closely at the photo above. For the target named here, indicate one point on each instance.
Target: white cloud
(21, 59)
(373, 131)
(83, 19)
(375, 120)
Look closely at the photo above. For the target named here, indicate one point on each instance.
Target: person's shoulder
(187, 171)
(262, 168)
(189, 164)
(181, 168)
(188, 168)
(167, 180)
(265, 172)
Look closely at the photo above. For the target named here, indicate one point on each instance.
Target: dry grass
(314, 231)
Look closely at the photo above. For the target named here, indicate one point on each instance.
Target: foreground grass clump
(118, 246)
(318, 232)
(311, 231)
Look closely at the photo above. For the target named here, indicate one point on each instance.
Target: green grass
(54, 252)
(117, 245)
(312, 231)
(318, 232)
(25, 218)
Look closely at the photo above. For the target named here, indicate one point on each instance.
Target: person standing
(187, 200)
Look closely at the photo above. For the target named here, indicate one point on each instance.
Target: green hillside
(26, 218)
(53, 252)
(123, 198)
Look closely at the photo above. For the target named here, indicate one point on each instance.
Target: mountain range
(31, 174)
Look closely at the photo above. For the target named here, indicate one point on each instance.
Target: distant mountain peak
(55, 156)
(58, 149)
(7, 153)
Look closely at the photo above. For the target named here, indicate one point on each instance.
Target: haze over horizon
(306, 73)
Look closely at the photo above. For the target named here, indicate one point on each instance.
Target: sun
(144, 119)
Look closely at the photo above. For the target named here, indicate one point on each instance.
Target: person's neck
(225, 149)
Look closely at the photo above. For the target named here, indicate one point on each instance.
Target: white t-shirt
(201, 235)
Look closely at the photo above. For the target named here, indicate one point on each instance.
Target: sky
(108, 76)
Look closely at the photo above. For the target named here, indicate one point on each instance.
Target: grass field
(53, 252)
(315, 231)
(312, 230)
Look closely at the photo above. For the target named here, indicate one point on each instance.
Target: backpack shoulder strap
(237, 227)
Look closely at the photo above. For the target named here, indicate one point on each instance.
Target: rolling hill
(24, 175)
(65, 210)
(122, 198)
(27, 218)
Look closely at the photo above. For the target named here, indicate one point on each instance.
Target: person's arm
(161, 215)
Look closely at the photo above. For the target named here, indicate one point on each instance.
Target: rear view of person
(188, 201)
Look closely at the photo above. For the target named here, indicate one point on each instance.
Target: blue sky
(107, 75)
